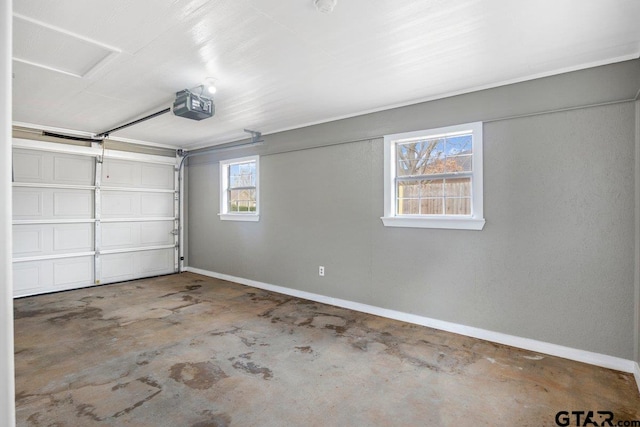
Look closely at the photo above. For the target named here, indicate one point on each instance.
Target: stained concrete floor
(188, 350)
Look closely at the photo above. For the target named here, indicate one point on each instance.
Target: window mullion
(434, 176)
(444, 196)
(419, 197)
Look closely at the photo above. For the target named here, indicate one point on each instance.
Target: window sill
(240, 217)
(451, 223)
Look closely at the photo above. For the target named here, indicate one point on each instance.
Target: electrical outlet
(321, 270)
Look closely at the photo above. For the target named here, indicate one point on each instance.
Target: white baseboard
(597, 359)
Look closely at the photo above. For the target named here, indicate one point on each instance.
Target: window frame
(475, 221)
(224, 213)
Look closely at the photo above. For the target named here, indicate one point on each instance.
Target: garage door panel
(51, 203)
(52, 168)
(131, 174)
(118, 235)
(135, 265)
(136, 204)
(73, 170)
(27, 203)
(118, 173)
(35, 277)
(27, 240)
(157, 233)
(72, 272)
(123, 235)
(51, 239)
(28, 166)
(73, 204)
(28, 278)
(119, 204)
(156, 204)
(156, 262)
(118, 267)
(157, 176)
(73, 238)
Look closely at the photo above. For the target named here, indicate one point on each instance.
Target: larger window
(433, 178)
(239, 189)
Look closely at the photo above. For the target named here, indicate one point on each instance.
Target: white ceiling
(91, 65)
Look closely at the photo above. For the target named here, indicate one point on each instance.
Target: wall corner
(636, 255)
(7, 382)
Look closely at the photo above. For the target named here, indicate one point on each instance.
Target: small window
(433, 178)
(239, 189)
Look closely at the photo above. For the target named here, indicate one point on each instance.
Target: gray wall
(554, 262)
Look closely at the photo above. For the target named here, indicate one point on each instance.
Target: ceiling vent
(193, 106)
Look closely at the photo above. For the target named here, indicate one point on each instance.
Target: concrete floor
(188, 350)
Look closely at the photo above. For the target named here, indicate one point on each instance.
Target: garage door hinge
(99, 159)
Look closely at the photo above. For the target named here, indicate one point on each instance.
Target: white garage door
(83, 216)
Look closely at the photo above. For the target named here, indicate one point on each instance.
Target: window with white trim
(239, 179)
(433, 178)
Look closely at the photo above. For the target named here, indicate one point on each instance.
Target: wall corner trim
(597, 359)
